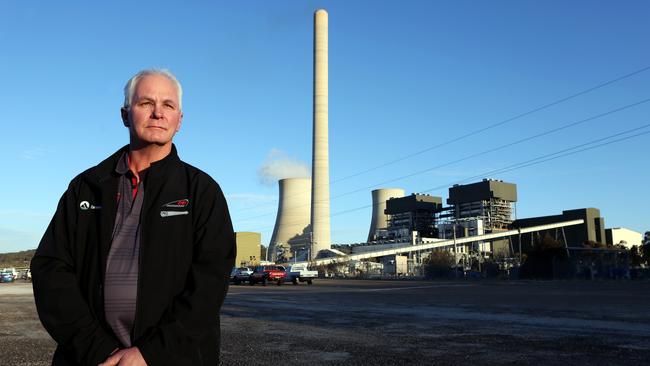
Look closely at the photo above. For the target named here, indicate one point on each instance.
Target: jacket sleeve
(195, 312)
(62, 308)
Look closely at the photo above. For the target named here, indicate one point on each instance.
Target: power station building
(248, 248)
(626, 237)
(485, 207)
(480, 208)
(474, 209)
(489, 200)
(593, 229)
(413, 213)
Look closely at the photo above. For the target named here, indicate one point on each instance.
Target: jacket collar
(106, 169)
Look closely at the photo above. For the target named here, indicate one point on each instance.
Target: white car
(241, 274)
(300, 273)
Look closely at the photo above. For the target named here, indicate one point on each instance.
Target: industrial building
(480, 208)
(626, 237)
(489, 200)
(395, 265)
(593, 229)
(485, 209)
(413, 213)
(248, 248)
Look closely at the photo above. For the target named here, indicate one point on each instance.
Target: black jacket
(185, 261)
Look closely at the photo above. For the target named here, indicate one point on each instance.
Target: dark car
(265, 274)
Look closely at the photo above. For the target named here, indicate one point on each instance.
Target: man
(134, 266)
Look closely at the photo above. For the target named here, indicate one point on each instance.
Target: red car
(265, 274)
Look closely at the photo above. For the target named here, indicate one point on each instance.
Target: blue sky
(404, 76)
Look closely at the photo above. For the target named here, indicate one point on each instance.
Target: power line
(555, 155)
(501, 147)
(497, 148)
(534, 161)
(600, 142)
(475, 132)
(497, 124)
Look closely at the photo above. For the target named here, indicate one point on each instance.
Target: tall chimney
(320, 183)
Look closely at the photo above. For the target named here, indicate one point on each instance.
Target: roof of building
(482, 191)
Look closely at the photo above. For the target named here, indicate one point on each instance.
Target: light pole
(311, 244)
(267, 252)
(455, 255)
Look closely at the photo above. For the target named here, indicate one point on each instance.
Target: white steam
(278, 165)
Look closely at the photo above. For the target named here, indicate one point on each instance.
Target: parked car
(6, 277)
(265, 274)
(11, 270)
(300, 273)
(241, 274)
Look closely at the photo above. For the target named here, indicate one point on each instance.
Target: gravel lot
(352, 322)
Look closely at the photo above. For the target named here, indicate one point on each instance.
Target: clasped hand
(125, 357)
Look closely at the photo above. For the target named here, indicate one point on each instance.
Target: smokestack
(320, 198)
(379, 218)
(293, 214)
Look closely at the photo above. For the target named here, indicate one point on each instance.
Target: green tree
(645, 253)
(635, 256)
(438, 264)
(546, 256)
(594, 244)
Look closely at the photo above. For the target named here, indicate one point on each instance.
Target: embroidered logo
(178, 204)
(85, 205)
(173, 213)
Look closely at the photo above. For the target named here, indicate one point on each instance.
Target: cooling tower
(320, 199)
(379, 218)
(292, 220)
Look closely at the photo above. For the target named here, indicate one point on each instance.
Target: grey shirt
(121, 281)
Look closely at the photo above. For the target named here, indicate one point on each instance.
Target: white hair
(129, 88)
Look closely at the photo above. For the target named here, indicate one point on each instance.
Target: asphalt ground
(363, 322)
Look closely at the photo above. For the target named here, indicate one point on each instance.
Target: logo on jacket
(85, 205)
(178, 204)
(173, 213)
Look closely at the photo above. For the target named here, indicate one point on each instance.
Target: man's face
(154, 116)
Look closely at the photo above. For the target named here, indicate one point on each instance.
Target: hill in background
(16, 259)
